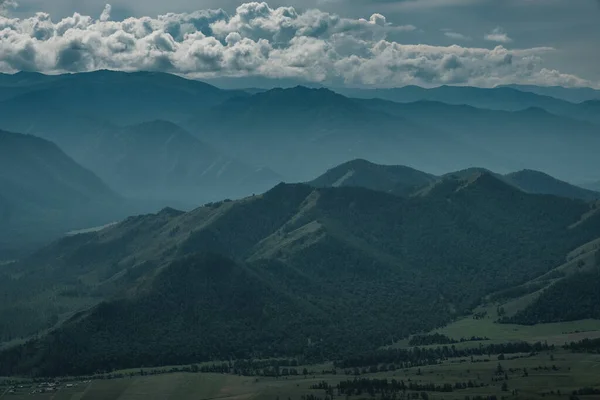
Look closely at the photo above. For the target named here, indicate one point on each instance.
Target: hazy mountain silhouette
(117, 97)
(44, 193)
(499, 98)
(574, 95)
(162, 161)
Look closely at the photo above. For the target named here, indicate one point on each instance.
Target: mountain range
(263, 276)
(286, 124)
(404, 181)
(499, 98)
(505, 128)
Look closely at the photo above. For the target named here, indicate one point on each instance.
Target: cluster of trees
(404, 358)
(584, 346)
(438, 338)
(386, 387)
(588, 391)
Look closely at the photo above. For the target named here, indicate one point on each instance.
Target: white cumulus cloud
(258, 40)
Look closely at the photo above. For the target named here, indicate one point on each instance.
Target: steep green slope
(314, 272)
(572, 298)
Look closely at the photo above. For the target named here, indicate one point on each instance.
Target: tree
(499, 369)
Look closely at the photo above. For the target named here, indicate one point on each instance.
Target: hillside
(395, 179)
(538, 182)
(573, 298)
(267, 273)
(44, 193)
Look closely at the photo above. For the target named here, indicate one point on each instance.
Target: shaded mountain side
(395, 179)
(44, 193)
(383, 265)
(538, 182)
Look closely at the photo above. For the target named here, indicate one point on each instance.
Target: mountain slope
(538, 182)
(383, 265)
(393, 179)
(573, 298)
(43, 192)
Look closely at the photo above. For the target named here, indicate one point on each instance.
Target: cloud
(7, 5)
(455, 35)
(498, 35)
(261, 41)
(105, 16)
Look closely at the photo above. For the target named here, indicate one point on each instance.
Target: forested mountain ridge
(406, 181)
(308, 253)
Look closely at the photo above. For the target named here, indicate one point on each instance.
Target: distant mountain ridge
(300, 132)
(406, 181)
(574, 95)
(498, 98)
(120, 98)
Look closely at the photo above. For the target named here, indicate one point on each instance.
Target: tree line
(406, 358)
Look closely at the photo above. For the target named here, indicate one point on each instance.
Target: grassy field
(559, 372)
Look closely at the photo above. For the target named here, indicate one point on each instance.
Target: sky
(362, 43)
